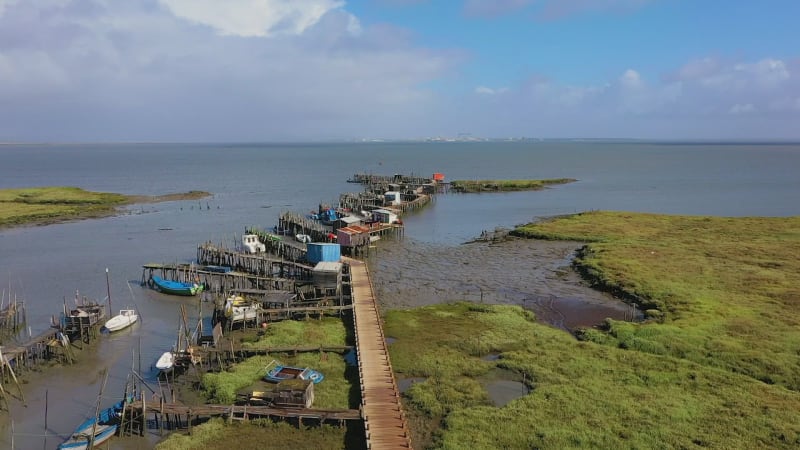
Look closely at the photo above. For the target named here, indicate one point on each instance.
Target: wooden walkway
(384, 420)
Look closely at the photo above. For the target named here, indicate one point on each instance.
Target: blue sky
(293, 70)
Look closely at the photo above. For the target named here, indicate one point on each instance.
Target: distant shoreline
(444, 141)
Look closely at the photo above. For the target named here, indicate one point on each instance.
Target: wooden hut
(352, 236)
(293, 393)
(385, 216)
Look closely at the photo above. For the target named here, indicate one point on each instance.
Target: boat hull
(282, 373)
(122, 320)
(176, 287)
(166, 362)
(102, 434)
(104, 426)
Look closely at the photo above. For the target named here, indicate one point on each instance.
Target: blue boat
(104, 425)
(176, 287)
(281, 373)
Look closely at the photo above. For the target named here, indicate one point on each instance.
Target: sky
(312, 70)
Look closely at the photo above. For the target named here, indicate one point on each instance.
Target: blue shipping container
(318, 252)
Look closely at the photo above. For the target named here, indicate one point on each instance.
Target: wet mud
(530, 273)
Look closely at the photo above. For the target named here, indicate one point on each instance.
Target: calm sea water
(253, 183)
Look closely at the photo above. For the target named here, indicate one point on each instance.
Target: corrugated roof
(354, 229)
(328, 266)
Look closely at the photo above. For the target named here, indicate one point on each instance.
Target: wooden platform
(243, 411)
(384, 421)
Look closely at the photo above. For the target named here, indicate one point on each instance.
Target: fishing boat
(280, 373)
(76, 321)
(104, 426)
(124, 319)
(176, 287)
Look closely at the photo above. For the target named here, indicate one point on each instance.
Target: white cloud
(253, 17)
(3, 4)
(698, 69)
(103, 70)
(765, 73)
(631, 79)
(97, 70)
(706, 98)
(483, 90)
(739, 108)
(493, 8)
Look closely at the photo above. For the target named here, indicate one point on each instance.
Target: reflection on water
(351, 358)
(404, 383)
(501, 392)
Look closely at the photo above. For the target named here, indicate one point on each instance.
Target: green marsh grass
(335, 391)
(725, 291)
(326, 331)
(44, 204)
(584, 394)
(215, 434)
(471, 186)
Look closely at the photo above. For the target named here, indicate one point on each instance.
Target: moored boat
(124, 319)
(176, 287)
(304, 238)
(166, 362)
(104, 426)
(280, 373)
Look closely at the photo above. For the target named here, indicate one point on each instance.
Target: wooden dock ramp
(384, 420)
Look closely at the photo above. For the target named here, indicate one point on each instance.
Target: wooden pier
(218, 282)
(178, 416)
(384, 420)
(261, 264)
(12, 317)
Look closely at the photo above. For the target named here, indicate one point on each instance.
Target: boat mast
(97, 407)
(108, 290)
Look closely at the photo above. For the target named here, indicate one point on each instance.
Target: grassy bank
(339, 390)
(584, 394)
(335, 390)
(42, 205)
(724, 292)
(472, 186)
(256, 434)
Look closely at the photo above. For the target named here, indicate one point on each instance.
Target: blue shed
(320, 251)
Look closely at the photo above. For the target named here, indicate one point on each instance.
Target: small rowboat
(176, 287)
(281, 373)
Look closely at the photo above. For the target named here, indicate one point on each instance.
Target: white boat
(125, 318)
(165, 362)
(251, 244)
(304, 238)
